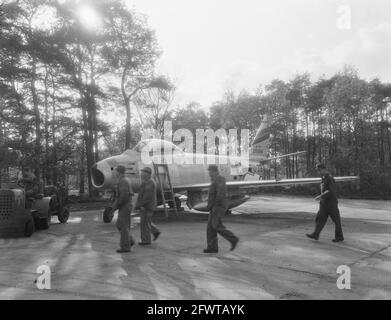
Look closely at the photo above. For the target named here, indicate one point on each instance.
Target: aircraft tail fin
(261, 143)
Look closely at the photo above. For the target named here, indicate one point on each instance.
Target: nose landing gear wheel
(63, 215)
(107, 215)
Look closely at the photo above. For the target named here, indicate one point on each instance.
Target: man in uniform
(123, 203)
(328, 206)
(146, 203)
(217, 206)
(31, 185)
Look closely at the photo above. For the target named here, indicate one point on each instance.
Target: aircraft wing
(262, 183)
(255, 158)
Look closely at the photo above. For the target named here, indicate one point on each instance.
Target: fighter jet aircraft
(190, 176)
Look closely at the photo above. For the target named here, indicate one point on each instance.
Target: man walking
(217, 206)
(328, 206)
(146, 203)
(123, 203)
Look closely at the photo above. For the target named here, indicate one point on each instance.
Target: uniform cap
(213, 167)
(147, 170)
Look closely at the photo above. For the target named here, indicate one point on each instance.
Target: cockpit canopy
(155, 145)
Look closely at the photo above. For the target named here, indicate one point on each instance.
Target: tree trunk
(93, 109)
(128, 134)
(87, 143)
(307, 141)
(2, 135)
(37, 117)
(46, 167)
(382, 158)
(387, 125)
(54, 142)
(82, 171)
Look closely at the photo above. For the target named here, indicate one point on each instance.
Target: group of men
(146, 203)
(217, 206)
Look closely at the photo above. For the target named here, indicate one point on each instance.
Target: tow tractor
(19, 217)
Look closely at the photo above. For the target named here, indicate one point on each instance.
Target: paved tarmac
(274, 259)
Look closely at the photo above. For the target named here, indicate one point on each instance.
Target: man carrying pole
(328, 206)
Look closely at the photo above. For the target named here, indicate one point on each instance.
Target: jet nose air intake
(97, 176)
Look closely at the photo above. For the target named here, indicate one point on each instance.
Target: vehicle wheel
(178, 203)
(63, 215)
(107, 215)
(29, 228)
(45, 222)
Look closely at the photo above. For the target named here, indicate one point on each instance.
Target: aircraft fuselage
(188, 172)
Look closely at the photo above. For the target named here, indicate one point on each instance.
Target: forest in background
(59, 81)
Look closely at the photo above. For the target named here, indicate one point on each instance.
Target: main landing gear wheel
(107, 215)
(63, 215)
(178, 204)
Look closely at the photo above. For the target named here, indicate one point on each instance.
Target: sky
(211, 46)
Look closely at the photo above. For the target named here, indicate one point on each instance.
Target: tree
(191, 117)
(155, 103)
(132, 53)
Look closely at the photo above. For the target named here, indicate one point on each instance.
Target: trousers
(321, 219)
(123, 226)
(146, 226)
(215, 226)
